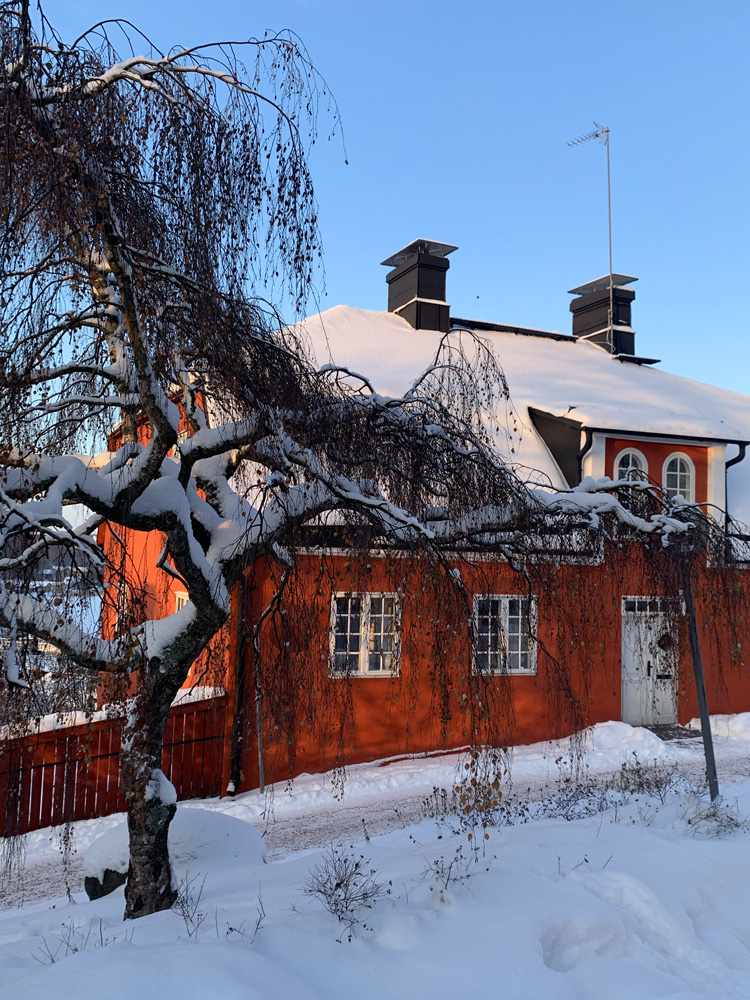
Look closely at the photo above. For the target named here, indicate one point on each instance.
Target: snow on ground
(196, 837)
(644, 897)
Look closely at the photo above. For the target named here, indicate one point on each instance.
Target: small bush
(454, 871)
(656, 778)
(75, 937)
(478, 792)
(188, 902)
(345, 883)
(719, 819)
(476, 802)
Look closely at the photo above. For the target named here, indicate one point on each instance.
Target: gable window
(679, 477)
(504, 626)
(364, 634)
(631, 464)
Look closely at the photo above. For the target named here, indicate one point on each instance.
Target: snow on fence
(54, 777)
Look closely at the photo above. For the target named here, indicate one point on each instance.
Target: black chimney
(591, 314)
(416, 285)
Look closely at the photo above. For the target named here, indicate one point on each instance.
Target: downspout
(587, 443)
(742, 445)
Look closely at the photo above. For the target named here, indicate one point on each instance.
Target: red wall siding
(656, 453)
(578, 679)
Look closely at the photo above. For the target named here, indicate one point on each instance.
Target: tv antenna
(601, 134)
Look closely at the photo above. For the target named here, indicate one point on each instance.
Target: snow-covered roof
(561, 375)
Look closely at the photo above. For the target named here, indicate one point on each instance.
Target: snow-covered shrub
(188, 902)
(718, 819)
(345, 883)
(656, 777)
(76, 937)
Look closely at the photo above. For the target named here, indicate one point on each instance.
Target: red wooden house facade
(381, 660)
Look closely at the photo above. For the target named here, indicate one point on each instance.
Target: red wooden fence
(71, 774)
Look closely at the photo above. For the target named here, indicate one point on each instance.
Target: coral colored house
(383, 660)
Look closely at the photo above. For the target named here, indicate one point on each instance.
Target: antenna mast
(601, 134)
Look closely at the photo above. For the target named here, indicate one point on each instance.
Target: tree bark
(149, 887)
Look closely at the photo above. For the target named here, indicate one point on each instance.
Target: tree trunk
(151, 806)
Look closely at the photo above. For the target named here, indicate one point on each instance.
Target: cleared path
(51, 875)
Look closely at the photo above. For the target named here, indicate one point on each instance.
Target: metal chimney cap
(419, 246)
(602, 284)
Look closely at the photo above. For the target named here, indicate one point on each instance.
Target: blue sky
(456, 118)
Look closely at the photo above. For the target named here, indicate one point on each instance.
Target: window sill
(366, 675)
(504, 673)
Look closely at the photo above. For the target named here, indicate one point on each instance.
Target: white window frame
(690, 495)
(642, 604)
(365, 635)
(180, 599)
(526, 620)
(630, 451)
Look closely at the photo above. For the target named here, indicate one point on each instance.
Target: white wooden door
(649, 662)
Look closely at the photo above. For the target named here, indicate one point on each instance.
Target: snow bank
(603, 747)
(626, 904)
(619, 738)
(727, 726)
(109, 851)
(199, 840)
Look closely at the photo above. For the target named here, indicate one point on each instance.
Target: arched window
(631, 464)
(679, 477)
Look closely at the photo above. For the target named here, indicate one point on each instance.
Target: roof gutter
(727, 466)
(651, 435)
(738, 457)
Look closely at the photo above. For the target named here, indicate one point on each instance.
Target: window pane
(679, 478)
(630, 466)
(365, 633)
(382, 633)
(503, 634)
(339, 642)
(499, 661)
(346, 637)
(488, 631)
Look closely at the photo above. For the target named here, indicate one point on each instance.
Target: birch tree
(154, 206)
